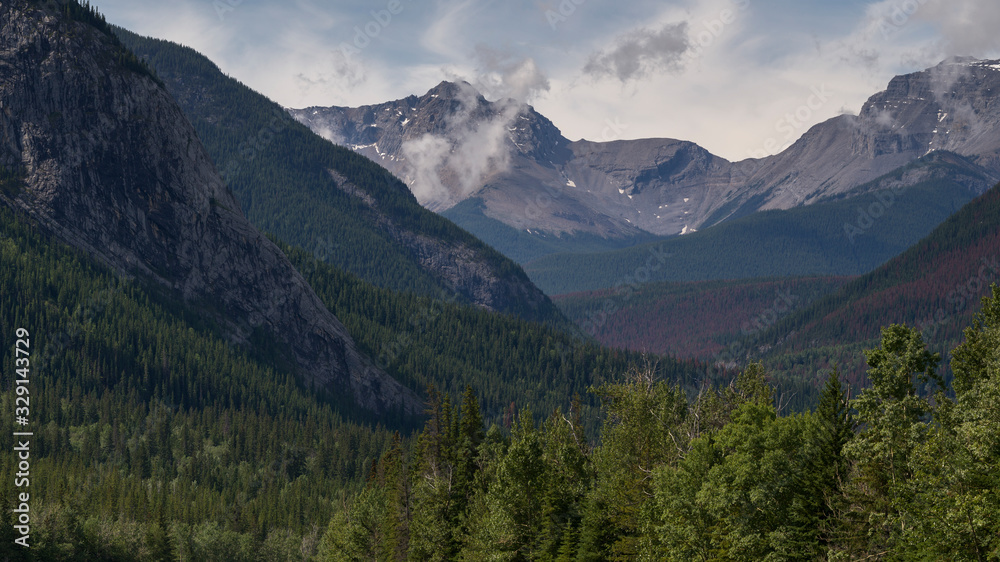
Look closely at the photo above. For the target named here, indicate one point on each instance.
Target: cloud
(331, 135)
(738, 80)
(641, 52)
(425, 158)
(885, 119)
(912, 35)
(944, 77)
(967, 27)
(448, 167)
(454, 24)
(336, 74)
(502, 75)
(443, 169)
(921, 33)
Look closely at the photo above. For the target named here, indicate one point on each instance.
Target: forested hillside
(148, 422)
(329, 200)
(723, 476)
(934, 286)
(141, 411)
(511, 363)
(142, 407)
(699, 320)
(153, 436)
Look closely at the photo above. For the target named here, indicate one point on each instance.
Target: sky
(742, 78)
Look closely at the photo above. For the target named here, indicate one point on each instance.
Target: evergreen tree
(642, 429)
(893, 418)
(834, 429)
(434, 516)
(568, 476)
(956, 504)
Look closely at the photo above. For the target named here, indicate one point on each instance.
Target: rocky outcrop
(111, 165)
(459, 265)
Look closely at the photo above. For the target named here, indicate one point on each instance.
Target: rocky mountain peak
(950, 106)
(446, 143)
(453, 90)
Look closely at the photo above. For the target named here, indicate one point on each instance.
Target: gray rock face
(664, 186)
(952, 106)
(460, 266)
(113, 167)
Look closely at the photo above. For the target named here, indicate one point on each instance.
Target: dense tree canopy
(907, 470)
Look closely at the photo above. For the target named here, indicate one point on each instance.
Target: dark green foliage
(743, 493)
(143, 408)
(953, 253)
(424, 342)
(85, 13)
(709, 320)
(836, 425)
(154, 435)
(155, 439)
(141, 412)
(957, 503)
(808, 240)
(11, 181)
(724, 476)
(934, 286)
(641, 431)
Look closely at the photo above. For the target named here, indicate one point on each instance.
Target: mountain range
(100, 157)
(844, 236)
(801, 327)
(179, 227)
(502, 162)
(935, 286)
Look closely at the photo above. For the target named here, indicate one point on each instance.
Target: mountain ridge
(839, 236)
(139, 193)
(934, 286)
(333, 202)
(537, 181)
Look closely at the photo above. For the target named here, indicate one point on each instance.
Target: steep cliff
(105, 160)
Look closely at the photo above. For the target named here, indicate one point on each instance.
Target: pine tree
(642, 430)
(432, 525)
(510, 520)
(893, 418)
(392, 475)
(834, 429)
(470, 437)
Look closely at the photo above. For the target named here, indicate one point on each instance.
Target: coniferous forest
(147, 450)
(907, 470)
